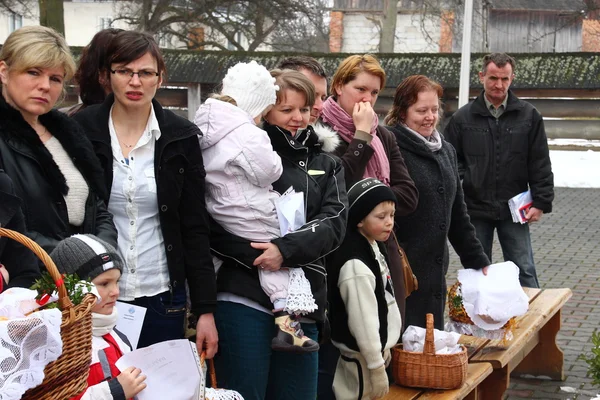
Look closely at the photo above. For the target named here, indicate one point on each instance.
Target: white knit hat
(251, 86)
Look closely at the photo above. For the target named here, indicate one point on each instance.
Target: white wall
(361, 34)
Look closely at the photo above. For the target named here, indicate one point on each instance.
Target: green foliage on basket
(593, 360)
(45, 286)
(457, 302)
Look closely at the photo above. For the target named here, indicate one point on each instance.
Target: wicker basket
(217, 394)
(67, 376)
(427, 369)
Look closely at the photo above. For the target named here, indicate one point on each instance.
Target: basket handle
(63, 297)
(211, 369)
(429, 347)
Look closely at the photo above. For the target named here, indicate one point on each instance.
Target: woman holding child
(441, 214)
(154, 174)
(245, 321)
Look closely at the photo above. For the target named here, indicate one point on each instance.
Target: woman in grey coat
(441, 214)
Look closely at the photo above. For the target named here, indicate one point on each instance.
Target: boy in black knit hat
(365, 319)
(92, 258)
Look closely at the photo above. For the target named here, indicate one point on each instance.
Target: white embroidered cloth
(27, 343)
(490, 301)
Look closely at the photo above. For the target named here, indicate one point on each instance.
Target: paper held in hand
(290, 211)
(519, 205)
(172, 370)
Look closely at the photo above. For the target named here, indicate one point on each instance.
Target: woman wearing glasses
(155, 175)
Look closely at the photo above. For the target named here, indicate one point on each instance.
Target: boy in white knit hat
(240, 167)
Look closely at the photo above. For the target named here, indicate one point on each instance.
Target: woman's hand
(363, 115)
(271, 258)
(132, 381)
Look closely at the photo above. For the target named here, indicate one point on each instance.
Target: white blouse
(134, 205)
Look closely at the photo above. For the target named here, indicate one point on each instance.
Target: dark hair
(303, 62)
(407, 94)
(128, 46)
(91, 62)
(500, 59)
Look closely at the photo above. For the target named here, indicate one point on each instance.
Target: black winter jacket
(40, 184)
(499, 157)
(179, 172)
(19, 261)
(321, 178)
(440, 216)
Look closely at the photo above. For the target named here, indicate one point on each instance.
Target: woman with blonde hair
(45, 153)
(245, 322)
(442, 213)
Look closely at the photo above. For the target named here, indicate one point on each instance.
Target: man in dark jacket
(502, 151)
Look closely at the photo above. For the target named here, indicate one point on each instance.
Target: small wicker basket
(215, 392)
(427, 369)
(67, 376)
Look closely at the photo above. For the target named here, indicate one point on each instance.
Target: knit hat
(251, 86)
(85, 255)
(364, 196)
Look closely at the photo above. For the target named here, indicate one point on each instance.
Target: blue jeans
(516, 246)
(165, 316)
(246, 363)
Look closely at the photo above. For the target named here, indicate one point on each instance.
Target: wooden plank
(532, 293)
(473, 344)
(494, 386)
(541, 310)
(402, 393)
(475, 375)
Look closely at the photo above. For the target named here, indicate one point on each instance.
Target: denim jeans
(165, 316)
(246, 363)
(516, 246)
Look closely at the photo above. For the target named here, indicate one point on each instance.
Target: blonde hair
(37, 47)
(224, 98)
(354, 65)
(296, 81)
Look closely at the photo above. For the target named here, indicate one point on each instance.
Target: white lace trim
(221, 394)
(27, 346)
(300, 299)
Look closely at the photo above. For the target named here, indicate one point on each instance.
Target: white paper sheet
(290, 211)
(490, 301)
(130, 321)
(172, 370)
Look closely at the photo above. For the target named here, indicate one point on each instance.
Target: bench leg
(494, 386)
(545, 358)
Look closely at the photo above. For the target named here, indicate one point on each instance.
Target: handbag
(410, 280)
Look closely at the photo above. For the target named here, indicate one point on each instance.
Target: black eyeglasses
(143, 74)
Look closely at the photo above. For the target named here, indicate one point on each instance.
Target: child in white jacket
(365, 319)
(92, 258)
(240, 167)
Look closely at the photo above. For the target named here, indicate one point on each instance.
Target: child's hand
(380, 385)
(132, 381)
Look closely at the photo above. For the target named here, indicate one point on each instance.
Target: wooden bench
(533, 350)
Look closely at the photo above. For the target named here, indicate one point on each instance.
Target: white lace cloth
(221, 394)
(300, 299)
(27, 344)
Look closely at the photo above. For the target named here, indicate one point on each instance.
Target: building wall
(361, 34)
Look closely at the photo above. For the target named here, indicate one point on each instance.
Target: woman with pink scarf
(367, 149)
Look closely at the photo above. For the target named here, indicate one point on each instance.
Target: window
(104, 23)
(238, 38)
(15, 21)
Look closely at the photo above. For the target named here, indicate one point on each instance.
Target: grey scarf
(433, 142)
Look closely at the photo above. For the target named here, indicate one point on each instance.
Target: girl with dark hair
(154, 173)
(93, 87)
(441, 214)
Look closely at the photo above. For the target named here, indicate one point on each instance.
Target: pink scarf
(335, 116)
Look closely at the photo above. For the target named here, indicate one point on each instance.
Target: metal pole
(465, 59)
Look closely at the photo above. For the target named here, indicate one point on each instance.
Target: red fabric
(113, 353)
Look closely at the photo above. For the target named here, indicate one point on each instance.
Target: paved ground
(567, 253)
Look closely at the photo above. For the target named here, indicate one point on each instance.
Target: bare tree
(388, 26)
(308, 32)
(245, 24)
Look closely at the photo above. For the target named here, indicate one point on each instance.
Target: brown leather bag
(410, 280)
